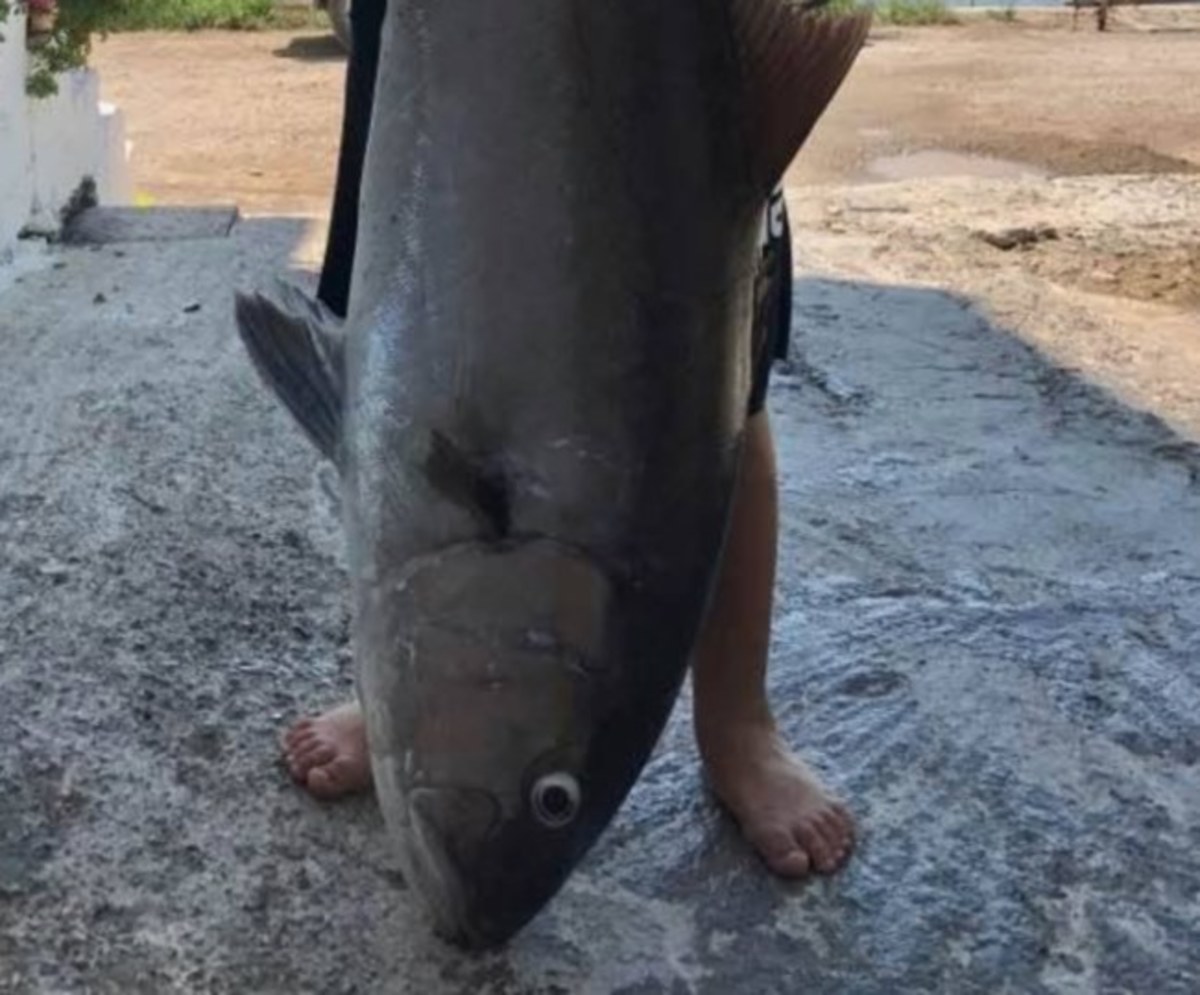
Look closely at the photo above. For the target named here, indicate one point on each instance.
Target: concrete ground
(988, 636)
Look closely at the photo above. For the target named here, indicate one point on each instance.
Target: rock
(1008, 239)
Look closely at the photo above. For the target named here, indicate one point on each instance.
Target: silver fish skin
(537, 400)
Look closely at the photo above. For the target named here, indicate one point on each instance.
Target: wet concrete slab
(934, 163)
(987, 636)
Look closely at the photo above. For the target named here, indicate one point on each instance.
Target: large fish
(537, 398)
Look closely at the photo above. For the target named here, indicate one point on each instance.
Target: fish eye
(556, 799)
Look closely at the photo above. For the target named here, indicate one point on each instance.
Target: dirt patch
(1070, 103)
(220, 117)
(1169, 274)
(1156, 262)
(1063, 155)
(253, 117)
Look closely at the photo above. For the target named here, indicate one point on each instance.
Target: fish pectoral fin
(795, 58)
(472, 484)
(296, 345)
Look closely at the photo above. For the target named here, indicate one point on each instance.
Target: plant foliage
(69, 44)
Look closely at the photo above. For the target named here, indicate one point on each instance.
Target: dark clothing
(773, 300)
(366, 19)
(773, 289)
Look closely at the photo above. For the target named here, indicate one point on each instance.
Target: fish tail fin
(296, 345)
(795, 58)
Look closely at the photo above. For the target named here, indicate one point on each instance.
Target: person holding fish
(793, 821)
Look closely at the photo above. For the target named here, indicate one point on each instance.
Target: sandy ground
(988, 628)
(254, 118)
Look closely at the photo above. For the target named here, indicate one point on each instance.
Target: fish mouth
(479, 877)
(450, 829)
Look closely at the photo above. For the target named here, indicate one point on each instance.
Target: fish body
(537, 399)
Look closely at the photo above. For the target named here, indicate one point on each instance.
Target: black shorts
(772, 300)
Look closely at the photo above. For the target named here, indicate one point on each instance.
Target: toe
(794, 864)
(309, 756)
(314, 754)
(845, 847)
(845, 821)
(334, 779)
(837, 848)
(297, 768)
(779, 849)
(323, 782)
(820, 849)
(304, 739)
(835, 853)
(842, 828)
(832, 829)
(296, 731)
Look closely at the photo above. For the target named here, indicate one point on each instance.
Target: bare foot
(328, 754)
(784, 810)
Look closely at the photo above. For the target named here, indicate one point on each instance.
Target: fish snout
(450, 831)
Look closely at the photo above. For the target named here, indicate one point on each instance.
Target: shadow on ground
(987, 634)
(313, 48)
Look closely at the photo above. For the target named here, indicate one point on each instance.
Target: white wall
(49, 146)
(16, 174)
(73, 135)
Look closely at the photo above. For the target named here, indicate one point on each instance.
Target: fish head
(484, 705)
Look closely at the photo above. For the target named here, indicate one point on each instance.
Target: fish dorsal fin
(794, 59)
(296, 344)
